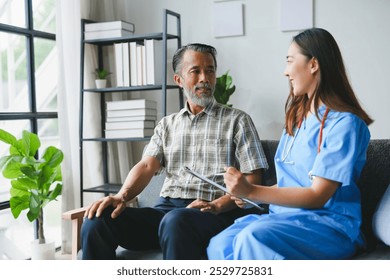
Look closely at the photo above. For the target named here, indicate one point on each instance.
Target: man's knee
(94, 225)
(176, 219)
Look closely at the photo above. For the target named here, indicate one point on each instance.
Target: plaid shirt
(217, 137)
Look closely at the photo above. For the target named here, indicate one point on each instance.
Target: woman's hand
(237, 184)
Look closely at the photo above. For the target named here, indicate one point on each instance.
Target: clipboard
(211, 182)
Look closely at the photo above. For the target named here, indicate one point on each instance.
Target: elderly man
(207, 137)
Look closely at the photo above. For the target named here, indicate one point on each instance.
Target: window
(28, 101)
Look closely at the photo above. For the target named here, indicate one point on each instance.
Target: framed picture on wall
(228, 18)
(296, 15)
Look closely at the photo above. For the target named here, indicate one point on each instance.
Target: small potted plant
(34, 182)
(224, 88)
(101, 77)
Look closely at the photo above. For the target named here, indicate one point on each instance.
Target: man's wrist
(122, 196)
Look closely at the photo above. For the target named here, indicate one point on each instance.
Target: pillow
(381, 219)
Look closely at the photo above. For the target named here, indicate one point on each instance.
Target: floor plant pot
(44, 251)
(101, 83)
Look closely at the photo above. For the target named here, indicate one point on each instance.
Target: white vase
(44, 251)
(101, 83)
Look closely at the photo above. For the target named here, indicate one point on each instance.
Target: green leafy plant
(34, 182)
(101, 74)
(224, 88)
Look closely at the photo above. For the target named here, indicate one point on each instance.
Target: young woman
(315, 206)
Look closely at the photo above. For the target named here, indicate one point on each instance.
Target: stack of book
(139, 63)
(130, 118)
(109, 29)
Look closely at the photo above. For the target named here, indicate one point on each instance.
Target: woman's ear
(314, 66)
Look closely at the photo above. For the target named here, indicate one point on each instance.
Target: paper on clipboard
(207, 180)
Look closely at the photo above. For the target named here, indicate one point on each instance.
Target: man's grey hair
(178, 56)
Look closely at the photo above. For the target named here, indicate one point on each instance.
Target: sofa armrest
(76, 216)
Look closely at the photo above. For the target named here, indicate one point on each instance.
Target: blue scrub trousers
(182, 233)
(281, 236)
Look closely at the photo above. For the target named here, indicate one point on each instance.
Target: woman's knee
(218, 248)
(253, 233)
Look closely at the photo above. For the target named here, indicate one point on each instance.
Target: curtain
(69, 14)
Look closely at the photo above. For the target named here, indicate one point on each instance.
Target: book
(132, 112)
(106, 34)
(110, 25)
(131, 104)
(118, 53)
(129, 125)
(131, 118)
(126, 64)
(215, 184)
(129, 133)
(139, 65)
(143, 53)
(154, 61)
(133, 64)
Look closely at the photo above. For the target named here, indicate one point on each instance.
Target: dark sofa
(373, 183)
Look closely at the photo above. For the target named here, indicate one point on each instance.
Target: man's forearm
(138, 178)
(255, 177)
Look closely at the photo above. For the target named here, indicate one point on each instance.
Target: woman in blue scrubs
(315, 210)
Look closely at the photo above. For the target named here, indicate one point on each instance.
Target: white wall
(257, 60)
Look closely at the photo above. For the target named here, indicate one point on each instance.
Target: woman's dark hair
(333, 88)
(178, 56)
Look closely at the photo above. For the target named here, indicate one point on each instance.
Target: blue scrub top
(342, 157)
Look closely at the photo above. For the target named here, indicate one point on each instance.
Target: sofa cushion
(381, 219)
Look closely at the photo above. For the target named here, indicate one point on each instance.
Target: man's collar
(209, 109)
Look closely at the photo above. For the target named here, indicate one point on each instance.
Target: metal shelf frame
(107, 187)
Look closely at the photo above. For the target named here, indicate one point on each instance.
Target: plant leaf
(53, 156)
(19, 188)
(32, 216)
(224, 88)
(56, 192)
(12, 170)
(34, 202)
(58, 173)
(29, 171)
(8, 138)
(30, 142)
(4, 160)
(18, 204)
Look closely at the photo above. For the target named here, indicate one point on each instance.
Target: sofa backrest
(269, 147)
(373, 182)
(149, 196)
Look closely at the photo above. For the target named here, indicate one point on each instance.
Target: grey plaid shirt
(219, 136)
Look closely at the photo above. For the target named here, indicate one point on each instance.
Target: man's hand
(98, 206)
(217, 206)
(204, 206)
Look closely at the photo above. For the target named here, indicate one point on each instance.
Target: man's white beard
(203, 100)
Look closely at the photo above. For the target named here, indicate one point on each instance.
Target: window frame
(33, 116)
